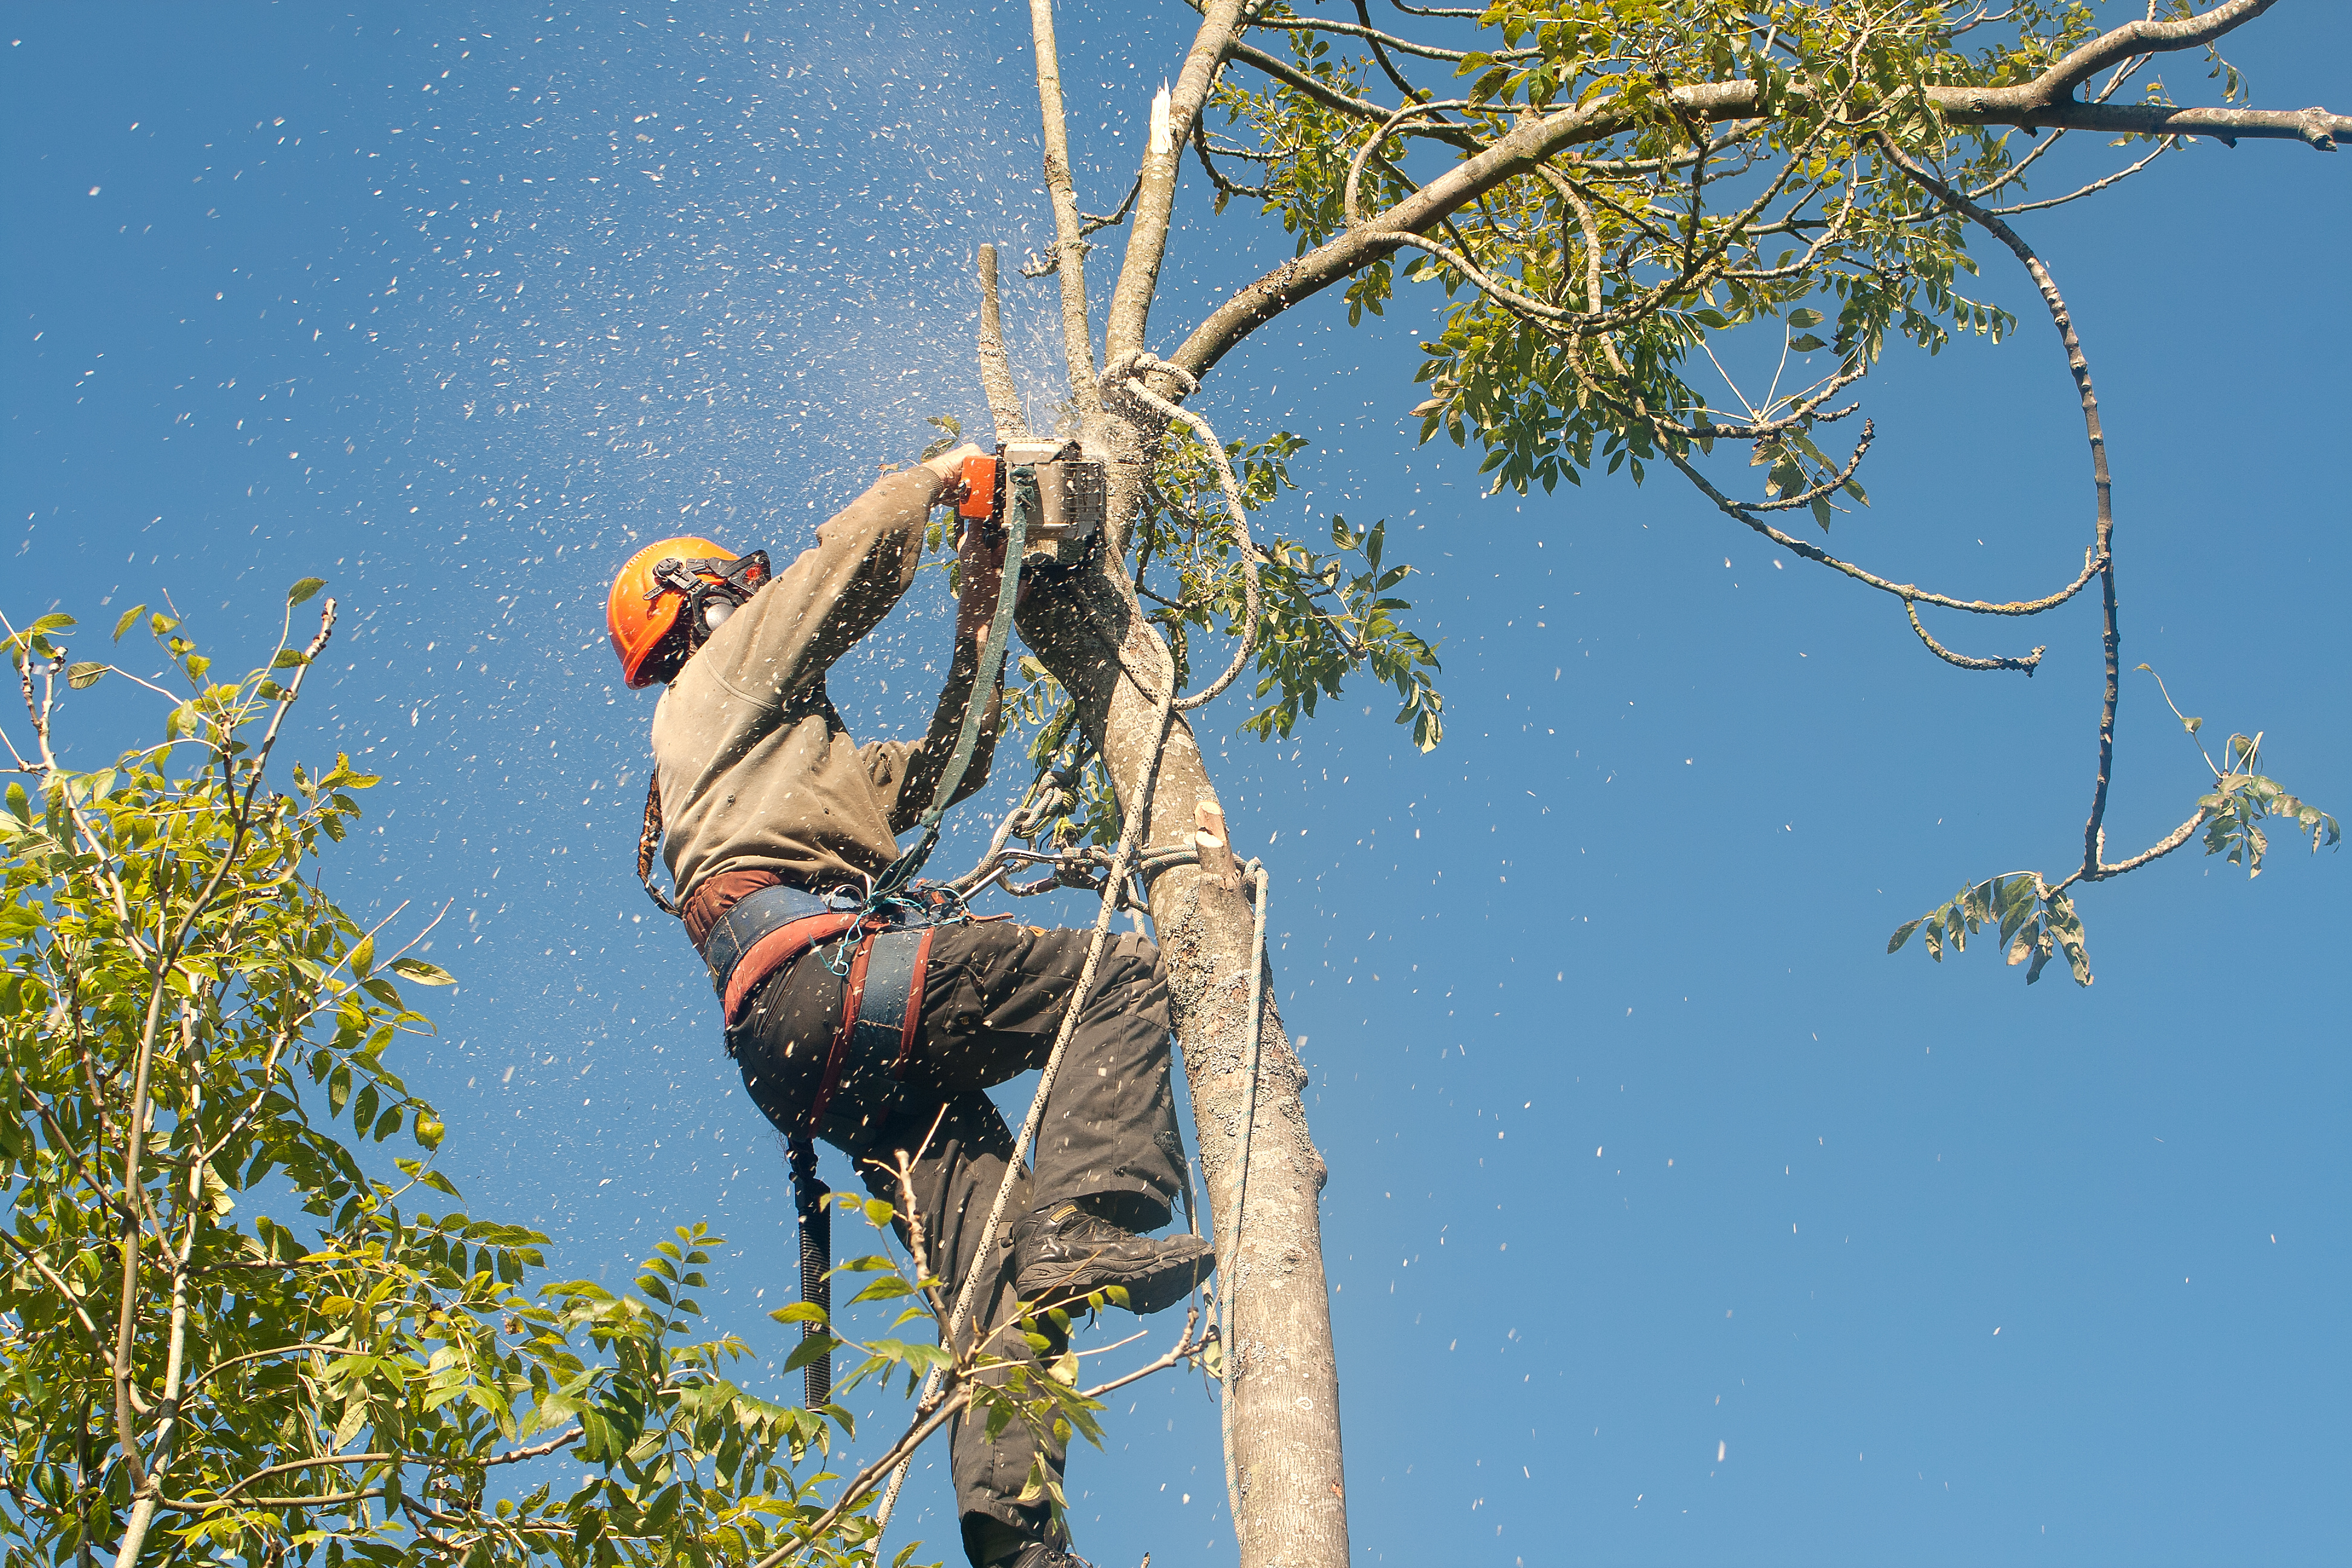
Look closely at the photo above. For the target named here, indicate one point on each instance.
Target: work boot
(1066, 1250)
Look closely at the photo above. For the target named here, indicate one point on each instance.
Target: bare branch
(2027, 664)
(1069, 239)
(1332, 98)
(1147, 245)
(2167, 145)
(1216, 177)
(1365, 30)
(1908, 591)
(995, 369)
(1380, 44)
(2163, 847)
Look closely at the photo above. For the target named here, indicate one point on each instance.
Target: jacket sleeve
(862, 563)
(906, 774)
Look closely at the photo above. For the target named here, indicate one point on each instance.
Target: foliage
(2036, 919)
(197, 1033)
(1318, 621)
(1735, 207)
(1320, 618)
(2242, 798)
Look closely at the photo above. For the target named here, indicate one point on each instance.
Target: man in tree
(881, 1032)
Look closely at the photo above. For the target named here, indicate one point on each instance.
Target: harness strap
(881, 1012)
(890, 1012)
(852, 992)
(775, 950)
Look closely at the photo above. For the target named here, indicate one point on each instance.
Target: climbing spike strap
(1021, 504)
(808, 1197)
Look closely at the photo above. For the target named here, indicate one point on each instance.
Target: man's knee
(1132, 974)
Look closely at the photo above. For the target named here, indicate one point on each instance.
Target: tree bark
(1284, 1472)
(1069, 242)
(1004, 406)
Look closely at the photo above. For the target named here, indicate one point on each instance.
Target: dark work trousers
(993, 1002)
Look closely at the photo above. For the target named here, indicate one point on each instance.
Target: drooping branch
(2103, 482)
(2030, 663)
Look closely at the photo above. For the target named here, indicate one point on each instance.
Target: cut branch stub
(1218, 868)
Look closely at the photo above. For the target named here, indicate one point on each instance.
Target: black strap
(1020, 503)
(809, 1195)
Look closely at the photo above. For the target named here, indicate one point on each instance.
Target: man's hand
(947, 470)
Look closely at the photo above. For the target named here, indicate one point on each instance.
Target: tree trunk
(1283, 1467)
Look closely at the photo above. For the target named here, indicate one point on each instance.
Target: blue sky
(1642, 1150)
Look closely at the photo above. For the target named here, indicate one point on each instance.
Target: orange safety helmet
(664, 578)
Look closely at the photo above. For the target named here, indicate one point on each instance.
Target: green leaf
(304, 589)
(809, 1349)
(129, 616)
(1805, 343)
(85, 674)
(1804, 318)
(363, 957)
(422, 973)
(885, 1287)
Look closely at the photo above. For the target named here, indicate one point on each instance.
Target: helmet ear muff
(713, 590)
(669, 599)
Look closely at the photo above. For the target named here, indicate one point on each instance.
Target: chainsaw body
(1070, 491)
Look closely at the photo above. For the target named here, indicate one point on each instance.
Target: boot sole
(1147, 1292)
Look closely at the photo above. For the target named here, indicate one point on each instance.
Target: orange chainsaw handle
(979, 488)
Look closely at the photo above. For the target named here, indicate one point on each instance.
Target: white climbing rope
(1126, 369)
(1232, 1234)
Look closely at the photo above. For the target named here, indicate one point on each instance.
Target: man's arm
(819, 606)
(916, 771)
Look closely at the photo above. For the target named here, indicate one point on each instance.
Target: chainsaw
(1070, 493)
